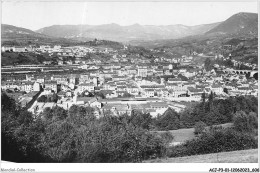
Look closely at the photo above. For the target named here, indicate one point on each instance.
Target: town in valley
(120, 81)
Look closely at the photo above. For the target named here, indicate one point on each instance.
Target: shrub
(245, 122)
(42, 98)
(168, 121)
(199, 127)
(253, 119)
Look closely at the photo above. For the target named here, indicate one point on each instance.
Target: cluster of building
(121, 83)
(127, 88)
(62, 51)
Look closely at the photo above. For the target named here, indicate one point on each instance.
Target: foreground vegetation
(215, 140)
(76, 135)
(242, 156)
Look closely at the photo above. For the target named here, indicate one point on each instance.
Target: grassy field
(242, 156)
(182, 135)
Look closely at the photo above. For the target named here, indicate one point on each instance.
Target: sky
(36, 15)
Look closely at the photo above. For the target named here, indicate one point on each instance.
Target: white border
(126, 167)
(129, 167)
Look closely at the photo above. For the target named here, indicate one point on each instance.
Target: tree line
(210, 111)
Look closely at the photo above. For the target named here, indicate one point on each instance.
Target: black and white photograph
(129, 82)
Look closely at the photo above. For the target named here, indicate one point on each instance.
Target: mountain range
(245, 23)
(13, 32)
(119, 33)
(12, 35)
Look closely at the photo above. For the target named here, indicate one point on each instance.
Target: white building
(36, 86)
(215, 88)
(142, 72)
(27, 87)
(86, 86)
(149, 92)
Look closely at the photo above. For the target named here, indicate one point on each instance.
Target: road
(35, 103)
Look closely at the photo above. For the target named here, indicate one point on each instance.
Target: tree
(21, 135)
(47, 113)
(42, 98)
(81, 115)
(210, 101)
(229, 63)
(199, 127)
(141, 120)
(183, 78)
(55, 98)
(100, 94)
(253, 120)
(90, 113)
(245, 122)
(59, 113)
(194, 113)
(49, 99)
(207, 64)
(60, 141)
(81, 112)
(203, 97)
(73, 111)
(225, 90)
(126, 94)
(7, 103)
(168, 121)
(25, 117)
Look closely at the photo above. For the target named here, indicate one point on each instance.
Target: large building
(52, 85)
(36, 86)
(142, 72)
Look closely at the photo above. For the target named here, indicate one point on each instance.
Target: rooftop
(194, 90)
(174, 80)
(31, 94)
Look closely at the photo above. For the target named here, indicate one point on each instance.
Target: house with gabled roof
(195, 92)
(61, 94)
(51, 85)
(216, 88)
(149, 92)
(27, 86)
(174, 80)
(189, 84)
(88, 101)
(86, 86)
(117, 109)
(134, 90)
